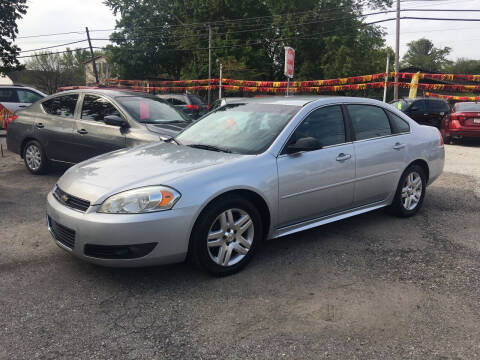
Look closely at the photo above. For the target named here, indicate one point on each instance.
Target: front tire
(410, 192)
(226, 235)
(35, 158)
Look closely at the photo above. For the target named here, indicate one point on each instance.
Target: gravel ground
(373, 286)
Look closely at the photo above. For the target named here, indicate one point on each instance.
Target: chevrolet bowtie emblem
(64, 198)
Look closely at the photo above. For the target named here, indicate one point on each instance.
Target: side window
(324, 124)
(61, 105)
(8, 95)
(27, 96)
(398, 124)
(369, 121)
(95, 108)
(418, 107)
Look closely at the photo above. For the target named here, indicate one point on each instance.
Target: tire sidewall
(43, 164)
(398, 206)
(198, 240)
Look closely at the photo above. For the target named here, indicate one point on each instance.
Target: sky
(60, 16)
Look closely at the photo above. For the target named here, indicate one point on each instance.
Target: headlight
(141, 200)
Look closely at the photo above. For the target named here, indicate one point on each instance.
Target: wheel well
(257, 200)
(24, 143)
(424, 165)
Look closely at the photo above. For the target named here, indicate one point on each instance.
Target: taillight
(454, 124)
(441, 138)
(193, 107)
(10, 119)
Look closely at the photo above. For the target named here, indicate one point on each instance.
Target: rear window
(195, 100)
(63, 106)
(467, 107)
(437, 106)
(8, 95)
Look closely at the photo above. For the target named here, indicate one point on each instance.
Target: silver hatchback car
(249, 171)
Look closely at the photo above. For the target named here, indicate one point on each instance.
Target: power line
(53, 46)
(52, 53)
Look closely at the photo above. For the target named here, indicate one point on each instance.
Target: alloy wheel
(412, 191)
(230, 237)
(33, 157)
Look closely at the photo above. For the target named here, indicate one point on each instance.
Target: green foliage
(10, 12)
(169, 38)
(49, 71)
(424, 55)
(464, 66)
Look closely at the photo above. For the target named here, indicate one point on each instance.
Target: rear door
(54, 127)
(380, 153)
(92, 136)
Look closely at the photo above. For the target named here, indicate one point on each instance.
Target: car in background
(224, 101)
(75, 125)
(16, 97)
(253, 170)
(192, 105)
(424, 111)
(463, 122)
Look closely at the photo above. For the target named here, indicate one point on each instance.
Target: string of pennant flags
(277, 89)
(453, 97)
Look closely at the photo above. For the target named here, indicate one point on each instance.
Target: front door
(320, 182)
(92, 136)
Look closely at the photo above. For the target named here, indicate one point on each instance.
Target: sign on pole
(289, 61)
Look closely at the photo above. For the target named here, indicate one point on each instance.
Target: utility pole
(386, 79)
(209, 61)
(220, 83)
(93, 57)
(397, 52)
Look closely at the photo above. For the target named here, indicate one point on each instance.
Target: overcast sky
(60, 16)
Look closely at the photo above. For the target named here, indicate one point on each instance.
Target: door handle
(398, 146)
(82, 131)
(22, 106)
(343, 157)
(39, 125)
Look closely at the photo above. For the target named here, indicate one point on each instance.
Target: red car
(462, 122)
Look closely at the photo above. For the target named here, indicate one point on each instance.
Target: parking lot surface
(372, 286)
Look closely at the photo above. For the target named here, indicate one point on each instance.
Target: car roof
(105, 92)
(283, 100)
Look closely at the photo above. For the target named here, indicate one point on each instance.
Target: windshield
(151, 110)
(467, 107)
(239, 128)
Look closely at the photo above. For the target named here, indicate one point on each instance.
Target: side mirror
(114, 120)
(304, 144)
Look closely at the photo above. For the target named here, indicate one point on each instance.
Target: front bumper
(169, 229)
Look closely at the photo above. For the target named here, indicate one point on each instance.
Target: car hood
(168, 129)
(153, 164)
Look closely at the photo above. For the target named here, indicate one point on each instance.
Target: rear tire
(35, 158)
(410, 192)
(226, 235)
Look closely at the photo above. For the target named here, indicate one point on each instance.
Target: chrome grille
(70, 200)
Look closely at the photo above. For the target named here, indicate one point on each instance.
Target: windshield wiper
(156, 122)
(210, 147)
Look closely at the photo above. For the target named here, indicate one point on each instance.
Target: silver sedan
(254, 170)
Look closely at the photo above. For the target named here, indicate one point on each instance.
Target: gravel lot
(373, 286)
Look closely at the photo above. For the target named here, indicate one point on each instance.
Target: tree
(48, 71)
(10, 12)
(424, 55)
(464, 66)
(169, 38)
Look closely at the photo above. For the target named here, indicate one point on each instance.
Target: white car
(16, 97)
